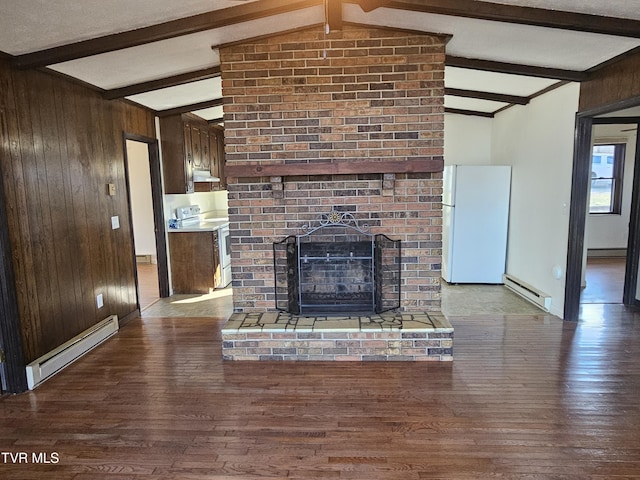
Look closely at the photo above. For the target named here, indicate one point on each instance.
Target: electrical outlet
(115, 222)
(99, 300)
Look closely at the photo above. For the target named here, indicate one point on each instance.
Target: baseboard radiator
(527, 292)
(54, 361)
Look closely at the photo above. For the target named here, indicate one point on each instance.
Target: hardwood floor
(527, 397)
(147, 284)
(605, 280)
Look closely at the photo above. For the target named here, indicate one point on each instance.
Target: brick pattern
(339, 346)
(386, 337)
(377, 96)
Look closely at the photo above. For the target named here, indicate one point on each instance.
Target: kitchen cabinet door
(205, 151)
(213, 148)
(196, 147)
(194, 261)
(177, 157)
(188, 160)
(217, 155)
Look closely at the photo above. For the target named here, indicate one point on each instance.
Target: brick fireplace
(352, 121)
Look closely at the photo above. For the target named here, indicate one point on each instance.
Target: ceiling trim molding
(539, 17)
(473, 113)
(494, 97)
(535, 95)
(162, 31)
(616, 59)
(515, 69)
(160, 83)
(189, 108)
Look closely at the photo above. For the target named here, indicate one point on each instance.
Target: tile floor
(464, 299)
(217, 303)
(457, 300)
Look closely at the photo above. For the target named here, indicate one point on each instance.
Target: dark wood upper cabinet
(177, 156)
(189, 143)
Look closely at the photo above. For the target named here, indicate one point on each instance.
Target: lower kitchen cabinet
(195, 261)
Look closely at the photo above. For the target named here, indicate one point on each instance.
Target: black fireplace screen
(337, 267)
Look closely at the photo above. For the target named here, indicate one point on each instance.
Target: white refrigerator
(475, 220)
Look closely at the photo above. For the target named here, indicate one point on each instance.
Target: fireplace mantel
(333, 168)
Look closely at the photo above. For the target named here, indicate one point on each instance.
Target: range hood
(204, 176)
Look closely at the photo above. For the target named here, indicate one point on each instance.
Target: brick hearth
(388, 336)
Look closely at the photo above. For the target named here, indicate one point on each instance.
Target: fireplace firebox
(336, 267)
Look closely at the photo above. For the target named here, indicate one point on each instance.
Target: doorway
(609, 207)
(627, 114)
(144, 191)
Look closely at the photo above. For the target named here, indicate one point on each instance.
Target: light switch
(111, 188)
(115, 222)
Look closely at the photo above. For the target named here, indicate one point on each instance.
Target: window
(607, 165)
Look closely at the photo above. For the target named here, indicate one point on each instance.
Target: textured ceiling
(30, 25)
(609, 8)
(33, 25)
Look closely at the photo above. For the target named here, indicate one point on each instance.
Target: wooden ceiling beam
(333, 14)
(370, 5)
(473, 113)
(255, 10)
(162, 31)
(144, 87)
(515, 69)
(494, 97)
(539, 17)
(190, 108)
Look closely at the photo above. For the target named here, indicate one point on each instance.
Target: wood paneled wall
(60, 145)
(615, 83)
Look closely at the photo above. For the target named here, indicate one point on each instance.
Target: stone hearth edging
(392, 336)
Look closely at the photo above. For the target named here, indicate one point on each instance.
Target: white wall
(467, 140)
(141, 200)
(213, 202)
(612, 231)
(537, 141)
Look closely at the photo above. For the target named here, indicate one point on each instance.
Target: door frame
(155, 169)
(578, 208)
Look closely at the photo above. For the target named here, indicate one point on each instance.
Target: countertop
(206, 222)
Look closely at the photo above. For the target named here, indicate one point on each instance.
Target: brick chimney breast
(361, 130)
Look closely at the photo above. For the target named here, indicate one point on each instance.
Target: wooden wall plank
(15, 204)
(40, 215)
(65, 144)
(31, 328)
(66, 217)
(13, 377)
